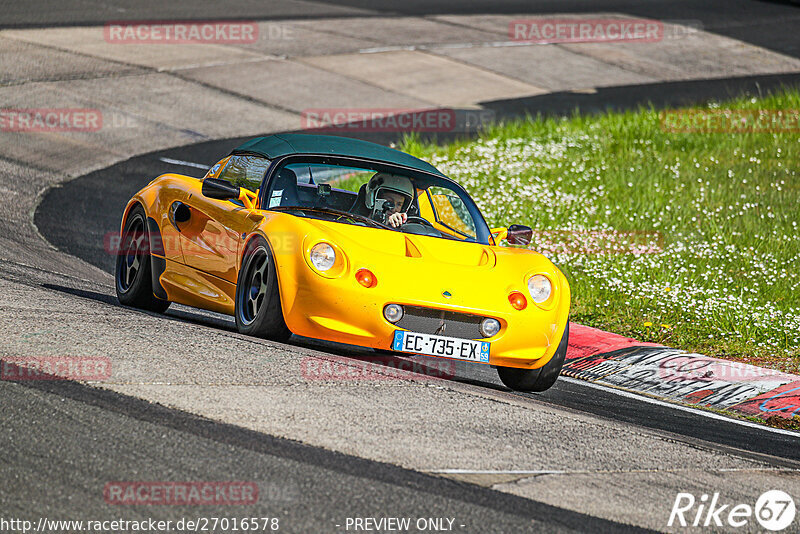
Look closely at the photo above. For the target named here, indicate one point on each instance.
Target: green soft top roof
(274, 146)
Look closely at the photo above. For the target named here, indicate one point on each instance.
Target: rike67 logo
(774, 510)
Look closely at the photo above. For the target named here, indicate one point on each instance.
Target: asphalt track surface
(89, 429)
(763, 23)
(93, 428)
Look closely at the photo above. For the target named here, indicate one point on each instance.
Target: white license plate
(448, 347)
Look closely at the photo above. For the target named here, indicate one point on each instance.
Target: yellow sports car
(351, 242)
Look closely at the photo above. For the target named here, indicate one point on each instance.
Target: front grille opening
(440, 322)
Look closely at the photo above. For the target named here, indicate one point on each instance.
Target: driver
(398, 190)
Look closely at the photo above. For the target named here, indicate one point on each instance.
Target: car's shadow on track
(176, 314)
(349, 362)
(93, 295)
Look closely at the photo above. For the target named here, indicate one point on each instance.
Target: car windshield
(368, 194)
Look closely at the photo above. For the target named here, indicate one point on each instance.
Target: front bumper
(341, 310)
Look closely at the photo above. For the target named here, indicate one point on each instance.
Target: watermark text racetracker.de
(773, 510)
(591, 242)
(105, 526)
(547, 30)
(730, 121)
(160, 32)
(39, 120)
(552, 30)
(585, 242)
(194, 32)
(376, 368)
(181, 493)
(88, 368)
(694, 367)
(172, 245)
(50, 120)
(441, 120)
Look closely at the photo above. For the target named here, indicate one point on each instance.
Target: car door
(215, 229)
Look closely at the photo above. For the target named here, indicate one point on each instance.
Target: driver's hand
(397, 219)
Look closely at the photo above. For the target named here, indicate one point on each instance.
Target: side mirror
(519, 234)
(220, 189)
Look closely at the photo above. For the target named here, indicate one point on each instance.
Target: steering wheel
(419, 226)
(412, 219)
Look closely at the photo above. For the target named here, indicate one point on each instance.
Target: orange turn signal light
(366, 278)
(517, 300)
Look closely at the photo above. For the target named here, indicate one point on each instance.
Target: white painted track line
(184, 163)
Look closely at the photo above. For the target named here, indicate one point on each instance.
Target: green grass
(714, 217)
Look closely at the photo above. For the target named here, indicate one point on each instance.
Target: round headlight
(322, 256)
(393, 312)
(540, 288)
(490, 327)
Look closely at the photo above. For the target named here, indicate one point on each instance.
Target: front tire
(540, 379)
(258, 303)
(134, 283)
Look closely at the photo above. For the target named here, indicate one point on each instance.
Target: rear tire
(258, 302)
(134, 283)
(540, 379)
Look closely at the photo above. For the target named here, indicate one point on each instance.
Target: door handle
(179, 213)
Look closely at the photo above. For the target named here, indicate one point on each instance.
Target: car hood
(431, 255)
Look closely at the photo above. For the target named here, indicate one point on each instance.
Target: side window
(451, 211)
(245, 171)
(213, 172)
